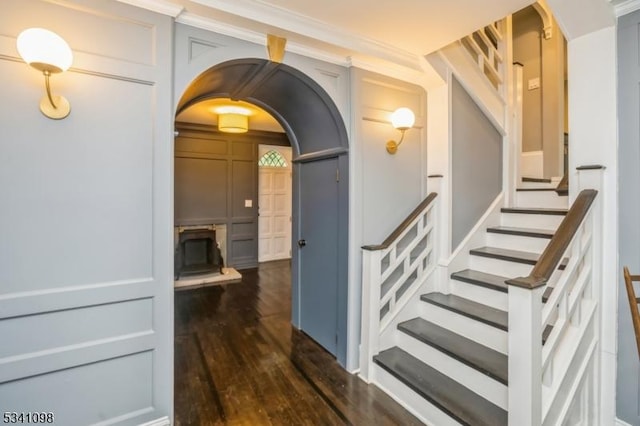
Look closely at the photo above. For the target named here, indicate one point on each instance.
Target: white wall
(86, 312)
(593, 140)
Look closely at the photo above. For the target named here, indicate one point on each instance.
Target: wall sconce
(233, 119)
(46, 51)
(401, 119)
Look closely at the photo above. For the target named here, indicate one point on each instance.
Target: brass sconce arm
(401, 119)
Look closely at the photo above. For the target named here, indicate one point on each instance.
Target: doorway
(274, 203)
(320, 172)
(539, 51)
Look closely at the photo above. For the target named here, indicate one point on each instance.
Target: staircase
(454, 354)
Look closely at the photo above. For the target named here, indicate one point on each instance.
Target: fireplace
(197, 252)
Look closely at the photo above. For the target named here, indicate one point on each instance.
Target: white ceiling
(418, 27)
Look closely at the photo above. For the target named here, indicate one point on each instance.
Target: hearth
(197, 252)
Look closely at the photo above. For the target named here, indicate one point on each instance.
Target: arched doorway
(320, 185)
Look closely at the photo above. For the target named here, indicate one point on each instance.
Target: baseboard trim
(162, 421)
(621, 423)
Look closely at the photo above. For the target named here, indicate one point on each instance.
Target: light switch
(248, 203)
(534, 83)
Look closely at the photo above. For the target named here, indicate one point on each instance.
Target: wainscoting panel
(86, 291)
(116, 389)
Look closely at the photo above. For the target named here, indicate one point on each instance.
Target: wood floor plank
(238, 361)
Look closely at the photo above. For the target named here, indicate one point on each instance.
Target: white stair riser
(486, 296)
(521, 220)
(414, 403)
(538, 185)
(517, 242)
(477, 331)
(546, 199)
(499, 267)
(469, 377)
(411, 310)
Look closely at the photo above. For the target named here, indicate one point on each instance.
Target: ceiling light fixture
(233, 119)
(401, 119)
(47, 52)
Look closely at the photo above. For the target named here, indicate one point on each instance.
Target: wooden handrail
(633, 303)
(404, 225)
(563, 186)
(552, 255)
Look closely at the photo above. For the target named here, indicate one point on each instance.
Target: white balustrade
(392, 273)
(486, 46)
(555, 382)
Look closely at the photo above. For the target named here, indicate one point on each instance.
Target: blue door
(318, 251)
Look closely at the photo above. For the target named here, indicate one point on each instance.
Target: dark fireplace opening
(197, 253)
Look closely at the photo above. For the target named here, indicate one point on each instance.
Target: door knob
(302, 243)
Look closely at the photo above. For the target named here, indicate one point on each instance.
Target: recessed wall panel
(77, 206)
(200, 189)
(86, 394)
(75, 326)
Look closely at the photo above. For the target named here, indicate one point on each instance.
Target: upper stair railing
(392, 272)
(487, 48)
(553, 367)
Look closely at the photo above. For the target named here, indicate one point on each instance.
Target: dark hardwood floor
(238, 361)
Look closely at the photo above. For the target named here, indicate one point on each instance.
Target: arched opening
(539, 48)
(320, 174)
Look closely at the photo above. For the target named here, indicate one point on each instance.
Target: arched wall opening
(320, 146)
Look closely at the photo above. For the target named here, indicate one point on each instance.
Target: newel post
(370, 324)
(442, 235)
(592, 177)
(525, 351)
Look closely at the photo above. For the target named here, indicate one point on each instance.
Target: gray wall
(476, 163)
(628, 383)
(393, 185)
(527, 50)
(214, 174)
(85, 266)
(385, 187)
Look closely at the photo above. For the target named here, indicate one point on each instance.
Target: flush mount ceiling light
(233, 119)
(47, 52)
(401, 119)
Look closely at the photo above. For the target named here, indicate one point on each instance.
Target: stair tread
(530, 210)
(486, 360)
(477, 311)
(533, 179)
(518, 256)
(494, 282)
(448, 395)
(533, 189)
(525, 232)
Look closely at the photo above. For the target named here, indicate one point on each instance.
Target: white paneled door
(274, 200)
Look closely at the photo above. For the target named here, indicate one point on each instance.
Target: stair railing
(392, 272)
(553, 363)
(486, 47)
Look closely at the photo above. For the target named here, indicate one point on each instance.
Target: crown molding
(163, 7)
(300, 24)
(626, 7)
(199, 21)
(426, 77)
(219, 27)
